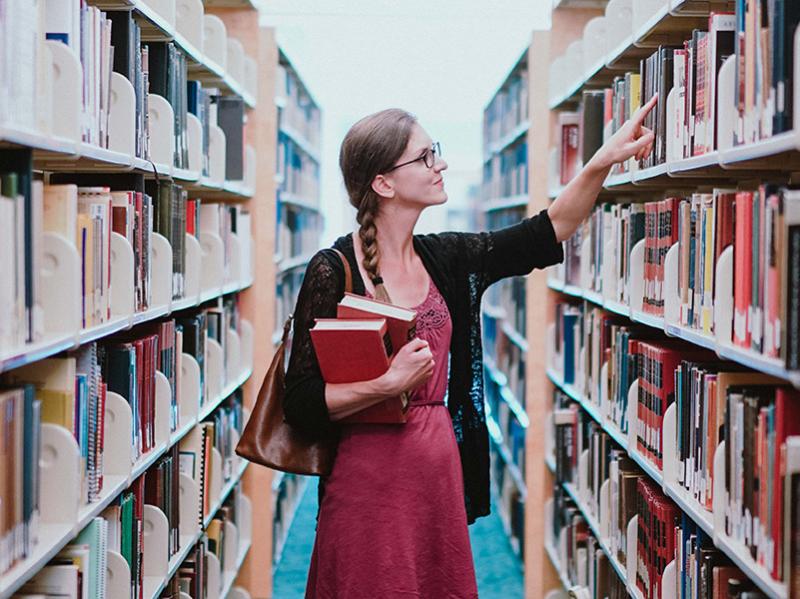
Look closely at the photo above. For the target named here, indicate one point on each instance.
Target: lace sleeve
(304, 401)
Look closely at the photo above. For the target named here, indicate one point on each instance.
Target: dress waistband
(432, 402)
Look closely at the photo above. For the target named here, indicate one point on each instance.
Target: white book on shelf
(9, 321)
(78, 554)
(62, 22)
(60, 580)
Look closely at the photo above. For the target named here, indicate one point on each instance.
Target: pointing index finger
(645, 110)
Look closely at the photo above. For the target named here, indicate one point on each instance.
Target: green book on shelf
(126, 542)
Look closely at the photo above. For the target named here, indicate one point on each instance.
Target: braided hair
(370, 148)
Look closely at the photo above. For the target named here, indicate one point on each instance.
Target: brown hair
(371, 147)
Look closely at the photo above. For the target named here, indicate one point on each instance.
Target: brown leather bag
(267, 439)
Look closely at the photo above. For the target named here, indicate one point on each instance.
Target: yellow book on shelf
(635, 91)
(58, 407)
(54, 380)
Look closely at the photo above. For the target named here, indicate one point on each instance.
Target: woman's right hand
(411, 367)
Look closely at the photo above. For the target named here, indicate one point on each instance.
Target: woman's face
(416, 182)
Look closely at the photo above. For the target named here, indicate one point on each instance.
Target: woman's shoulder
(448, 243)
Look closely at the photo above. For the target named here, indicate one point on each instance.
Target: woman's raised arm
(575, 203)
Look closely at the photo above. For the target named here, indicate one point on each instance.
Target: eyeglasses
(429, 157)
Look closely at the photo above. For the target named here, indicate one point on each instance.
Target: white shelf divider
(60, 295)
(122, 116)
(118, 575)
(161, 271)
(189, 21)
(122, 301)
(67, 75)
(215, 36)
(216, 155)
(161, 129)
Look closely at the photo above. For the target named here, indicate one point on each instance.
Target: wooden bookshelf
(297, 239)
(570, 73)
(249, 75)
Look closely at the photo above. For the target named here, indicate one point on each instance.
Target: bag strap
(348, 287)
(348, 274)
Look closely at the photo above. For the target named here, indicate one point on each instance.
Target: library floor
(498, 569)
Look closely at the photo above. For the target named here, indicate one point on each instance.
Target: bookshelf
(504, 197)
(299, 225)
(129, 140)
(607, 285)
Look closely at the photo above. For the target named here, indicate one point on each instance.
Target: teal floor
(498, 570)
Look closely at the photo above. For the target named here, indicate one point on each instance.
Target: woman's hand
(410, 368)
(633, 139)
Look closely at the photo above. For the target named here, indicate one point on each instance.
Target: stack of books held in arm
(358, 345)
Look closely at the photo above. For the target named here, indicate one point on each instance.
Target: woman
(393, 513)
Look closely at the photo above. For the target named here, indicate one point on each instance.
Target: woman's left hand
(633, 139)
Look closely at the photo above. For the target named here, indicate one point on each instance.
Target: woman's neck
(395, 235)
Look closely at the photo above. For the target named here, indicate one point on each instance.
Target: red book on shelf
(725, 205)
(743, 264)
(787, 424)
(190, 217)
(349, 351)
(569, 157)
(401, 323)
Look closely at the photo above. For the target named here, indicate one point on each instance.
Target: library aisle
(160, 199)
(498, 569)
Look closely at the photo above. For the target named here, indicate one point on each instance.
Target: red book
(725, 204)
(401, 322)
(349, 351)
(570, 133)
(101, 431)
(190, 217)
(743, 268)
(787, 424)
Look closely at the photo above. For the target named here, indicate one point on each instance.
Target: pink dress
(392, 523)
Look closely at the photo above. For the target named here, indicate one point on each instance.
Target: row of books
(298, 171)
(297, 231)
(506, 174)
(759, 39)
(714, 401)
(508, 109)
(512, 430)
(71, 392)
(578, 136)
(286, 292)
(219, 432)
(758, 224)
(80, 568)
(85, 212)
(26, 406)
(578, 554)
(506, 356)
(509, 296)
(664, 534)
(106, 42)
(286, 498)
(509, 499)
(300, 113)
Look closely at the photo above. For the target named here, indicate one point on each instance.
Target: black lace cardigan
(462, 265)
